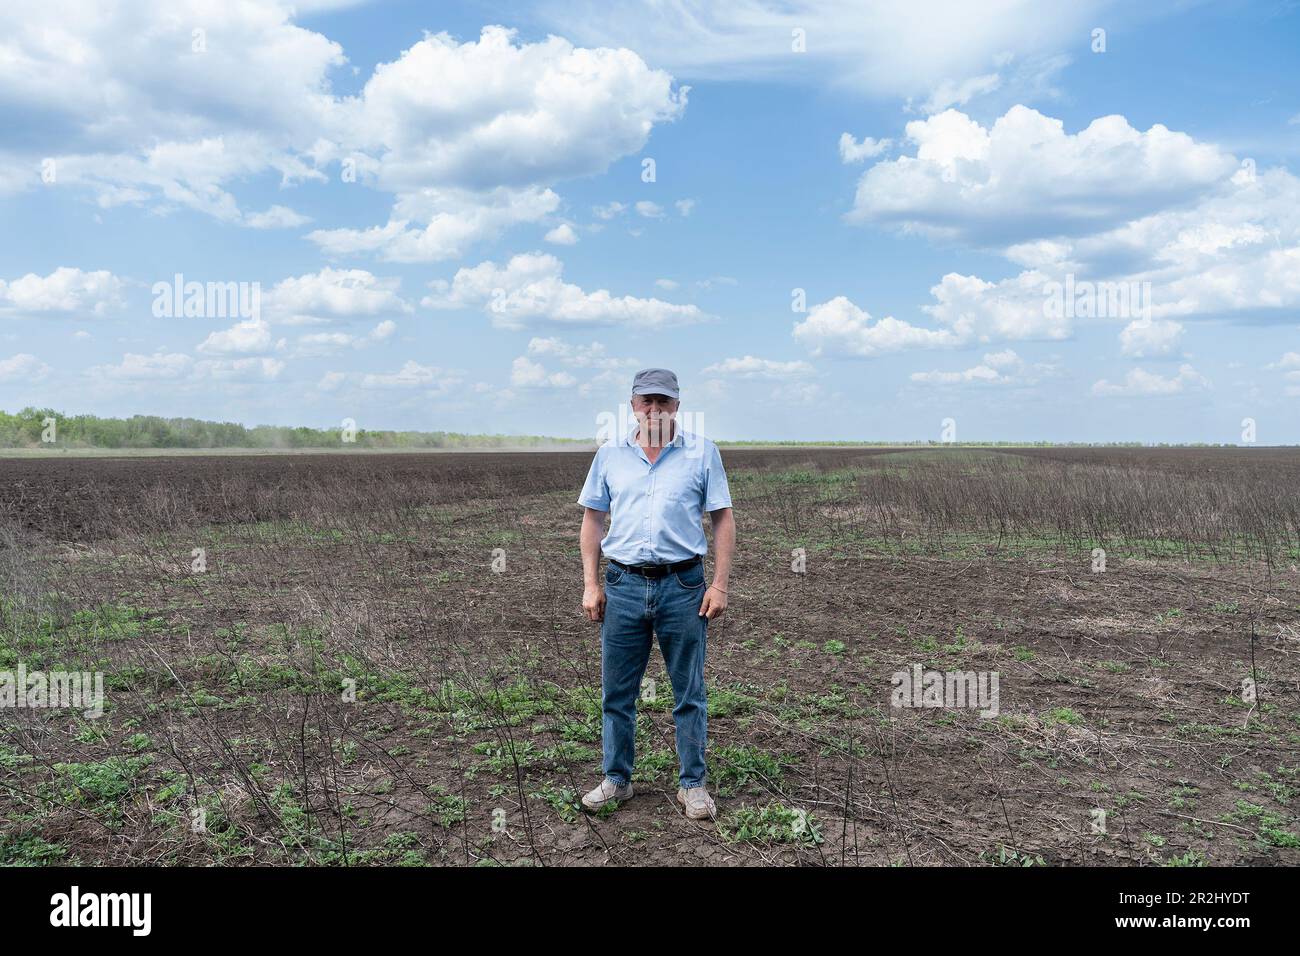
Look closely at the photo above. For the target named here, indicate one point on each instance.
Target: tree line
(30, 428)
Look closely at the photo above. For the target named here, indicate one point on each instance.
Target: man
(656, 482)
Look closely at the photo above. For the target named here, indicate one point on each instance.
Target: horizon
(595, 440)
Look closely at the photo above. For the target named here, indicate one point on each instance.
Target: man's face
(654, 413)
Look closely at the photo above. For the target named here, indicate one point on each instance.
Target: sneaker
(699, 805)
(607, 791)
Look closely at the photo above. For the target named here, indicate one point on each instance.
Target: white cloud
(331, 381)
(592, 355)
(474, 153)
(950, 93)
(1004, 359)
(851, 151)
(128, 109)
(23, 367)
(240, 370)
(141, 368)
(1143, 338)
(668, 285)
(316, 344)
(998, 368)
(276, 217)
(882, 50)
(411, 375)
(1231, 244)
(839, 327)
(1141, 382)
(752, 367)
(1288, 360)
(684, 206)
(333, 294)
(65, 290)
(530, 288)
(1025, 178)
(251, 335)
(323, 343)
(1236, 249)
(1011, 309)
(649, 209)
(980, 374)
(503, 113)
(609, 210)
(438, 224)
(562, 235)
(525, 373)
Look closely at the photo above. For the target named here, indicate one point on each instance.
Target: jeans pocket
(613, 575)
(692, 578)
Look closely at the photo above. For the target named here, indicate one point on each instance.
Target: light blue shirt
(656, 511)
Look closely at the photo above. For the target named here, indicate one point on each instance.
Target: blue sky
(444, 210)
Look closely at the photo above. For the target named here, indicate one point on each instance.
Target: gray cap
(655, 381)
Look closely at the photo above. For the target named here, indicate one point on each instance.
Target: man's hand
(714, 603)
(593, 602)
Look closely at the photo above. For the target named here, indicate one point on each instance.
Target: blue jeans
(636, 606)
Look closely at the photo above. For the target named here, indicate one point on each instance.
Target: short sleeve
(595, 492)
(716, 493)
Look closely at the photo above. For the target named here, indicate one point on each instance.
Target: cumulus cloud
(591, 355)
(438, 224)
(530, 288)
(249, 336)
(562, 235)
(1025, 177)
(840, 328)
(1208, 236)
(315, 344)
(332, 295)
(239, 370)
(950, 93)
(1143, 338)
(525, 373)
(998, 368)
(851, 151)
(750, 366)
(503, 113)
(171, 111)
(136, 367)
(412, 375)
(276, 217)
(1288, 360)
(64, 291)
(1139, 381)
(160, 114)
(23, 367)
(475, 152)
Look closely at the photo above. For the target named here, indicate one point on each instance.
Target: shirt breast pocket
(688, 492)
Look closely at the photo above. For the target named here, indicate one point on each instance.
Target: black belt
(656, 570)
